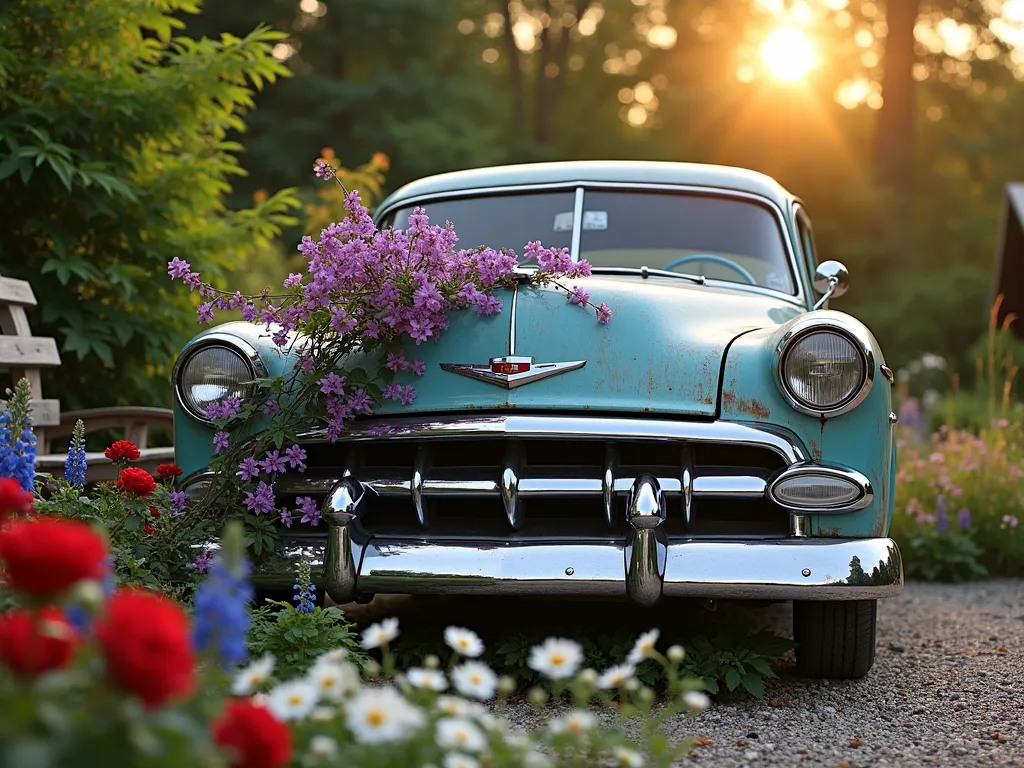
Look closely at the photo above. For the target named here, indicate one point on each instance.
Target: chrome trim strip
(887, 372)
(686, 481)
(246, 351)
(537, 371)
(780, 215)
(577, 225)
(852, 331)
(608, 484)
(341, 566)
(766, 569)
(510, 485)
(512, 321)
(569, 428)
(852, 476)
(420, 467)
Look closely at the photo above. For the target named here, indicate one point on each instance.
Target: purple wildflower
(397, 362)
(578, 296)
(286, 518)
(193, 280)
(270, 407)
(910, 413)
(178, 268)
(604, 314)
(274, 463)
(261, 500)
(332, 383)
(941, 513)
(220, 442)
(419, 367)
(407, 395)
(205, 312)
(296, 456)
(293, 280)
(360, 402)
(309, 509)
(224, 409)
(392, 392)
(323, 170)
(248, 469)
(203, 561)
(179, 501)
(250, 313)
(963, 519)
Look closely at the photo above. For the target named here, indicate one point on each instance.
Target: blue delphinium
(941, 513)
(221, 622)
(17, 442)
(75, 464)
(305, 590)
(80, 616)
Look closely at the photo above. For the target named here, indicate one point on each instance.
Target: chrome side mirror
(830, 280)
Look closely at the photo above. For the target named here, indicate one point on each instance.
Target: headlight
(824, 371)
(213, 370)
(814, 488)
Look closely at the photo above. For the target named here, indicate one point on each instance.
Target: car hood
(662, 351)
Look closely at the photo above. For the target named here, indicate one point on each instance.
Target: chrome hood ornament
(512, 371)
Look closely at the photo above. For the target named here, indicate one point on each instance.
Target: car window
(741, 240)
(502, 221)
(803, 226)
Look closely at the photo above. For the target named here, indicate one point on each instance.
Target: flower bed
(959, 503)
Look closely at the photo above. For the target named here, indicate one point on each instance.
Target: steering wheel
(714, 259)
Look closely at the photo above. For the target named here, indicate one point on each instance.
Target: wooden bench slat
(16, 292)
(18, 351)
(45, 413)
(102, 468)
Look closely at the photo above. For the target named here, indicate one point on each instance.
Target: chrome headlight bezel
(853, 333)
(245, 351)
(851, 477)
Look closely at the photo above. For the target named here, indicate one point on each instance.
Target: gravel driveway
(947, 688)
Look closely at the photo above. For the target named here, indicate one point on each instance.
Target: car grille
(550, 488)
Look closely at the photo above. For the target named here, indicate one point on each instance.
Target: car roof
(594, 171)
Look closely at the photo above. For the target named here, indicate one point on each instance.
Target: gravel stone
(947, 690)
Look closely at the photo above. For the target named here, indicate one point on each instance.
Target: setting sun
(788, 53)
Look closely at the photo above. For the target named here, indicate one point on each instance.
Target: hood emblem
(512, 371)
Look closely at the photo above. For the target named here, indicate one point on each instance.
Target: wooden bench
(24, 355)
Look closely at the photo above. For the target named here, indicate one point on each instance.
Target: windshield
(721, 238)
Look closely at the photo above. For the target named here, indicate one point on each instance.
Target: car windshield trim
(644, 272)
(800, 298)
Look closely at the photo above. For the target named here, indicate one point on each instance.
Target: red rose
(34, 643)
(168, 470)
(154, 512)
(136, 480)
(253, 736)
(48, 555)
(122, 449)
(147, 528)
(145, 641)
(13, 500)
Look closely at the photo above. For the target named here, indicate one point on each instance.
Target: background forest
(897, 122)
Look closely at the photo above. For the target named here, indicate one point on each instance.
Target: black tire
(835, 639)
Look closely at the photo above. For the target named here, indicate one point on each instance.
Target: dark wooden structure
(1010, 258)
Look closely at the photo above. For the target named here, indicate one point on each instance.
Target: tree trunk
(894, 141)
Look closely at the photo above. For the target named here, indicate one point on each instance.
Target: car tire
(835, 639)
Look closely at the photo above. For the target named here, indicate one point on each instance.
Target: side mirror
(831, 281)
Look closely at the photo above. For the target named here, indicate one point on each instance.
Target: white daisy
(644, 646)
(453, 706)
(696, 700)
(333, 657)
(253, 676)
(628, 758)
(376, 715)
(322, 715)
(323, 748)
(556, 658)
(458, 733)
(455, 760)
(536, 760)
(464, 642)
(475, 679)
(575, 722)
(293, 700)
(428, 679)
(615, 677)
(334, 680)
(376, 635)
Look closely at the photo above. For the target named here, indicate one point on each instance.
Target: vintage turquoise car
(726, 436)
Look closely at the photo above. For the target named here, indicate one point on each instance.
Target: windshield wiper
(646, 272)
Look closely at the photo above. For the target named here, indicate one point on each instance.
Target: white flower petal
(556, 658)
(377, 715)
(380, 634)
(294, 700)
(458, 733)
(475, 679)
(465, 642)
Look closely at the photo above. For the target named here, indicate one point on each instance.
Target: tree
(114, 158)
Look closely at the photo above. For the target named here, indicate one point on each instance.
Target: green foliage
(728, 659)
(935, 555)
(114, 158)
(297, 639)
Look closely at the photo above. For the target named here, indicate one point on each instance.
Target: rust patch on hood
(752, 407)
(828, 533)
(815, 449)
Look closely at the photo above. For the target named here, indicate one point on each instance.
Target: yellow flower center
(558, 660)
(476, 679)
(647, 647)
(574, 727)
(295, 699)
(462, 737)
(328, 682)
(375, 718)
(464, 643)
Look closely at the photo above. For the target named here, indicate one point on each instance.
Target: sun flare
(788, 54)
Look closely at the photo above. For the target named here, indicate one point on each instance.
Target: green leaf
(732, 679)
(754, 684)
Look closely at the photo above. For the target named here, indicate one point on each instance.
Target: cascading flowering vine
(367, 295)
